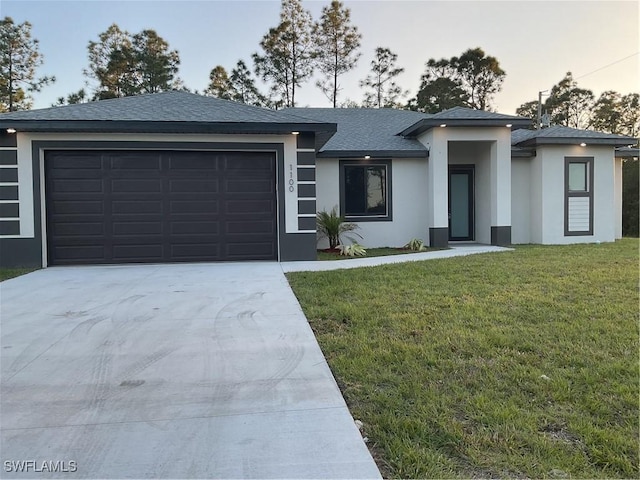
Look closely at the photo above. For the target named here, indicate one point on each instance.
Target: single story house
(178, 177)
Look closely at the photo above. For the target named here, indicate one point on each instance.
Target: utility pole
(539, 122)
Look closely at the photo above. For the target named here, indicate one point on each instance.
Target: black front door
(461, 211)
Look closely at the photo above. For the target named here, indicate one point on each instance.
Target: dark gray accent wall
(10, 227)
(9, 175)
(306, 158)
(28, 251)
(306, 174)
(8, 157)
(20, 252)
(9, 210)
(307, 223)
(8, 192)
(306, 141)
(298, 246)
(438, 237)
(306, 207)
(306, 191)
(501, 236)
(8, 139)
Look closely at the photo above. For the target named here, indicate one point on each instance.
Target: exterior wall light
(11, 130)
(508, 125)
(295, 133)
(583, 144)
(442, 125)
(367, 157)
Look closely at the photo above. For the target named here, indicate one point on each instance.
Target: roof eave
(537, 141)
(429, 123)
(373, 153)
(522, 152)
(125, 126)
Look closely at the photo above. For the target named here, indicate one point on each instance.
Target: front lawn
(7, 273)
(516, 364)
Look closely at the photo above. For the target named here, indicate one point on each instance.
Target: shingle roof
(168, 112)
(158, 107)
(463, 113)
(627, 152)
(465, 117)
(366, 131)
(561, 135)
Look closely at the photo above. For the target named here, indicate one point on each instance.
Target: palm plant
(334, 226)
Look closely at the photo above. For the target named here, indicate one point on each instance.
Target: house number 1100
(291, 181)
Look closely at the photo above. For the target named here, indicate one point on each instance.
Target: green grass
(7, 273)
(443, 360)
(371, 252)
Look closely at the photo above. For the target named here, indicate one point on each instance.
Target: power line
(607, 66)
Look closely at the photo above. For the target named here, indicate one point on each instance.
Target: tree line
(290, 54)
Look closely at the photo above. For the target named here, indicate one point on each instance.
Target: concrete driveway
(168, 371)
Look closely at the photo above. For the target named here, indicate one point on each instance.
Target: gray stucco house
(177, 177)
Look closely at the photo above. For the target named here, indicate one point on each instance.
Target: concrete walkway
(454, 251)
(168, 371)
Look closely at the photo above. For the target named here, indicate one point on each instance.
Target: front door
(461, 211)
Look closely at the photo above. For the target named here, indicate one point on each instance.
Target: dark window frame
(367, 163)
(588, 161)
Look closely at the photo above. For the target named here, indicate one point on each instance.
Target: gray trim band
(8, 157)
(438, 237)
(501, 236)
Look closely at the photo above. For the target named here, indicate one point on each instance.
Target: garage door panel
(193, 161)
(62, 228)
(74, 160)
(78, 174)
(137, 252)
(136, 228)
(196, 251)
(195, 227)
(194, 206)
(136, 186)
(194, 186)
(249, 207)
(136, 207)
(128, 162)
(79, 253)
(235, 164)
(257, 186)
(73, 207)
(248, 249)
(249, 228)
(78, 186)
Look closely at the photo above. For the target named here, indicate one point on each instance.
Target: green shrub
(334, 227)
(353, 250)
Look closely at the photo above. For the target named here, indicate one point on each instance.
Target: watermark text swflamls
(35, 466)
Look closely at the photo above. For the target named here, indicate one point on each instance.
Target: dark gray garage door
(159, 206)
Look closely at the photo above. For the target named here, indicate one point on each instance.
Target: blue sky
(536, 42)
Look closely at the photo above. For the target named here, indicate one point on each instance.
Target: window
(578, 177)
(578, 204)
(365, 190)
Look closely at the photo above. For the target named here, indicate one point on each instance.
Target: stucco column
(501, 189)
(437, 182)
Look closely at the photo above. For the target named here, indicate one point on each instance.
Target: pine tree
(337, 45)
(19, 60)
(288, 58)
(383, 90)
